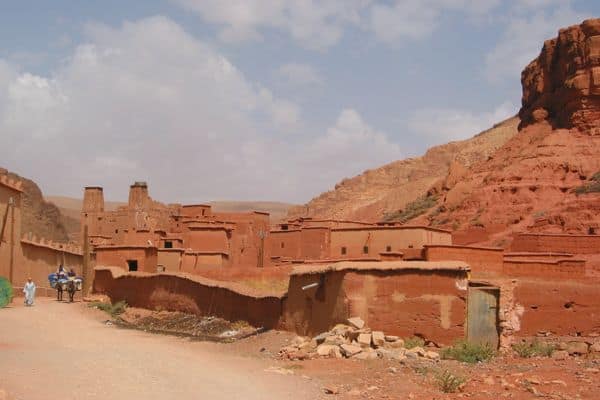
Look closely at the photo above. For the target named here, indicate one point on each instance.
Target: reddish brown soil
(104, 362)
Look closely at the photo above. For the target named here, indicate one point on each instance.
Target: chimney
(93, 199)
(138, 195)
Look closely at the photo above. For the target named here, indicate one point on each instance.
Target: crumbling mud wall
(482, 260)
(189, 294)
(400, 298)
(575, 244)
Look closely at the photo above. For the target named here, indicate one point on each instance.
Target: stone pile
(354, 340)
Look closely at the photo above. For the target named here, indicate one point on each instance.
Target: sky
(254, 99)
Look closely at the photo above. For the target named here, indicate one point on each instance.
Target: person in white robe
(29, 290)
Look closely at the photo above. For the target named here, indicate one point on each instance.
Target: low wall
(576, 244)
(406, 299)
(190, 294)
(568, 268)
(482, 260)
(532, 255)
(39, 260)
(559, 306)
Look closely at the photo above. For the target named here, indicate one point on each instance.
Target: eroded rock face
(563, 83)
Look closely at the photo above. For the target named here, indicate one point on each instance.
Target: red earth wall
(431, 304)
(188, 294)
(575, 244)
(563, 307)
(482, 260)
(544, 269)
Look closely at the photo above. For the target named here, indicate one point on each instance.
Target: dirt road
(64, 351)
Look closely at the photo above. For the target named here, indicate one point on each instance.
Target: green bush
(534, 348)
(596, 177)
(468, 352)
(413, 342)
(412, 209)
(448, 382)
(6, 292)
(113, 309)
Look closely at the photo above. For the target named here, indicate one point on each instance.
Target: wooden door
(482, 320)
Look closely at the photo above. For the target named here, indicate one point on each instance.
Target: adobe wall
(431, 304)
(528, 256)
(576, 244)
(285, 244)
(170, 259)
(384, 239)
(314, 243)
(194, 295)
(568, 269)
(195, 262)
(147, 257)
(39, 260)
(560, 306)
(207, 239)
(482, 260)
(11, 232)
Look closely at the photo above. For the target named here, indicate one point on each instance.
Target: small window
(116, 231)
(168, 244)
(282, 245)
(284, 227)
(343, 251)
(366, 249)
(203, 211)
(388, 248)
(132, 265)
(410, 246)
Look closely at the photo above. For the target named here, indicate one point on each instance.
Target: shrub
(448, 382)
(413, 342)
(534, 348)
(113, 309)
(596, 177)
(469, 352)
(412, 210)
(6, 292)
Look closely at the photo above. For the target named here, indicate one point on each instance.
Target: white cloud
(415, 19)
(319, 24)
(296, 74)
(147, 101)
(316, 24)
(524, 36)
(441, 125)
(351, 146)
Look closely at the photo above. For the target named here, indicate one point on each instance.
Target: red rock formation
(563, 83)
(537, 181)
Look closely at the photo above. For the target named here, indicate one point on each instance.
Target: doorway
(482, 315)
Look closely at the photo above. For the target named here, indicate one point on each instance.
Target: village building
(22, 255)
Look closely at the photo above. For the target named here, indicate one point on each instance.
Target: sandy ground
(64, 351)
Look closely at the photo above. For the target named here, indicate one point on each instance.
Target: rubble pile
(354, 340)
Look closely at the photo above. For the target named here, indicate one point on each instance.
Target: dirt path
(56, 350)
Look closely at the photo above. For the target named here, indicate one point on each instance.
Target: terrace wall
(196, 295)
(575, 244)
(482, 260)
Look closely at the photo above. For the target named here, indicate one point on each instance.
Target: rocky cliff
(547, 177)
(380, 192)
(38, 216)
(562, 85)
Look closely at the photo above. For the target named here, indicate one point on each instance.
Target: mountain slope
(546, 178)
(38, 216)
(381, 191)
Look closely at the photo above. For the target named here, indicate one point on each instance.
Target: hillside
(380, 192)
(39, 216)
(546, 178)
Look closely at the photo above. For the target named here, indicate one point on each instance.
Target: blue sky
(254, 99)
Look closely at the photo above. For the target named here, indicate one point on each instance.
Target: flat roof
(123, 246)
(398, 227)
(383, 266)
(458, 246)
